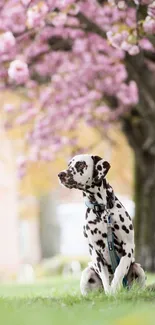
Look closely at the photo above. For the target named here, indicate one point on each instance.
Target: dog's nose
(62, 175)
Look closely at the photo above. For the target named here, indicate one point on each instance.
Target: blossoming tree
(91, 60)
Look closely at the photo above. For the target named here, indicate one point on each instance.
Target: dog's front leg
(104, 275)
(102, 270)
(122, 269)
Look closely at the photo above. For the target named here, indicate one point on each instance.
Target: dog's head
(84, 170)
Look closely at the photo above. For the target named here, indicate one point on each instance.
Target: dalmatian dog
(87, 173)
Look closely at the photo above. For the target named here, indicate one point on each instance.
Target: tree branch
(56, 44)
(89, 26)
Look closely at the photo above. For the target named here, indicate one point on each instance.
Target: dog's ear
(101, 168)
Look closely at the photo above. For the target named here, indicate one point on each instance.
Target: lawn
(58, 301)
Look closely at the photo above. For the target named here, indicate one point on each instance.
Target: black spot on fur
(125, 229)
(123, 252)
(84, 232)
(104, 235)
(91, 246)
(131, 227)
(110, 198)
(118, 249)
(116, 226)
(127, 215)
(100, 243)
(92, 222)
(95, 231)
(99, 167)
(129, 255)
(118, 205)
(110, 269)
(87, 227)
(116, 242)
(80, 166)
(98, 219)
(100, 261)
(132, 250)
(121, 218)
(99, 195)
(87, 213)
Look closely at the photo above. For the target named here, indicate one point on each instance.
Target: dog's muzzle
(62, 176)
(65, 179)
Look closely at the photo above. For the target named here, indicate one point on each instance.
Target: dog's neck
(97, 193)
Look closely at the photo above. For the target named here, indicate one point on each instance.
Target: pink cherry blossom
(36, 15)
(134, 50)
(64, 3)
(146, 44)
(7, 42)
(116, 39)
(26, 2)
(59, 19)
(149, 25)
(18, 72)
(15, 21)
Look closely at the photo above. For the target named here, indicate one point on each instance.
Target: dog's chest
(95, 229)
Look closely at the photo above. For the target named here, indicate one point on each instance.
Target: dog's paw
(113, 290)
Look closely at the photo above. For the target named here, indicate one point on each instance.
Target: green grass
(58, 301)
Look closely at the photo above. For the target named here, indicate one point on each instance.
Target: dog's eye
(80, 165)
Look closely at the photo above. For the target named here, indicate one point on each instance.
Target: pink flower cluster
(53, 49)
(121, 40)
(18, 72)
(149, 25)
(36, 15)
(7, 42)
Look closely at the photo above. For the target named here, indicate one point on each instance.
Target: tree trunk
(145, 214)
(139, 127)
(144, 196)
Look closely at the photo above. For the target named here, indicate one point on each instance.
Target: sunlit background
(41, 230)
